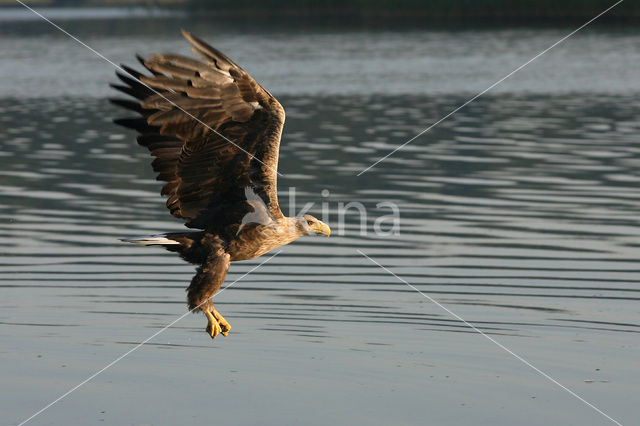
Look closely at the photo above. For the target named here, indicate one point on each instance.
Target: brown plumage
(215, 135)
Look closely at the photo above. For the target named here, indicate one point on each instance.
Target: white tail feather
(150, 240)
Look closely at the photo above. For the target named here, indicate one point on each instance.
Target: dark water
(520, 214)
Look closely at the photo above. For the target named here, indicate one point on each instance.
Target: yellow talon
(213, 328)
(224, 325)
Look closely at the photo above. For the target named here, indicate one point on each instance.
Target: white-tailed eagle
(215, 135)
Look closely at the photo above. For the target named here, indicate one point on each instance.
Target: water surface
(520, 214)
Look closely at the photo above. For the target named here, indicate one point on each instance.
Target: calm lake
(520, 213)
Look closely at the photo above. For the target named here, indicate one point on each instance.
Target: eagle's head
(311, 225)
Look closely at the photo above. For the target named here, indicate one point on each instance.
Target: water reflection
(520, 213)
(496, 212)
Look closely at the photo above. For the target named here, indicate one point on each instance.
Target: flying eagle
(215, 134)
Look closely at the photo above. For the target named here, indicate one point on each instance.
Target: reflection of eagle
(213, 176)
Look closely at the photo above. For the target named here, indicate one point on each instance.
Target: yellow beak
(322, 228)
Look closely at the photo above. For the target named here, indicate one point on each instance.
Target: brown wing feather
(213, 130)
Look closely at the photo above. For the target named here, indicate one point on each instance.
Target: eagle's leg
(213, 328)
(206, 283)
(226, 327)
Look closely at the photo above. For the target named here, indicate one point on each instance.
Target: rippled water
(520, 214)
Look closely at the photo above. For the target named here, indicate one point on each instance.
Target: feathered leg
(207, 281)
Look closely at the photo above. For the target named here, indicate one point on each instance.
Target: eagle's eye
(309, 222)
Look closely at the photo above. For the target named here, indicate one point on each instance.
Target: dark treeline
(496, 11)
(435, 10)
(462, 9)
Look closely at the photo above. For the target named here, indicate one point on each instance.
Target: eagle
(215, 135)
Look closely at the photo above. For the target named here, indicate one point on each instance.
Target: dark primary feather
(206, 170)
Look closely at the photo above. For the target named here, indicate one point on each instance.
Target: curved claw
(223, 323)
(213, 328)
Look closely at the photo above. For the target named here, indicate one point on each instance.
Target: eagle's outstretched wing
(213, 130)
